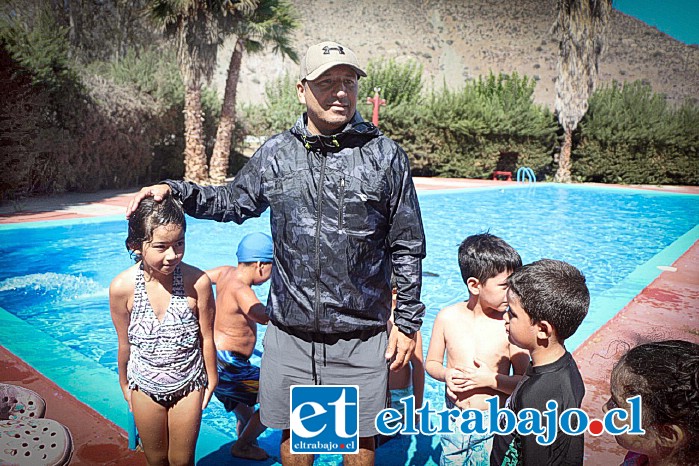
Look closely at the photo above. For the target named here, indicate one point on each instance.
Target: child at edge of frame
(163, 312)
(548, 300)
(665, 375)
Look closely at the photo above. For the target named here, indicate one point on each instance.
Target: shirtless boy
(235, 334)
(472, 334)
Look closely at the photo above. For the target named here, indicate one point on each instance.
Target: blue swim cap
(255, 247)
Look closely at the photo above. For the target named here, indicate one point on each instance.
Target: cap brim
(326, 66)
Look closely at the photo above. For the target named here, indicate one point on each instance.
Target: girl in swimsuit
(163, 313)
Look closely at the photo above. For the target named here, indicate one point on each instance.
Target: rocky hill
(457, 40)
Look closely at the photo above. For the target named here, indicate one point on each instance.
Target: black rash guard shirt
(559, 381)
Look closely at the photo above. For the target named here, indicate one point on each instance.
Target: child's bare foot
(248, 451)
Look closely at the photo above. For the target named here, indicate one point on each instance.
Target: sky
(676, 18)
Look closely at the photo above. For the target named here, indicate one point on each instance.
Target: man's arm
(402, 346)
(406, 240)
(156, 191)
(236, 201)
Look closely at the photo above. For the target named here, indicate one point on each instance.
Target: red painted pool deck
(665, 309)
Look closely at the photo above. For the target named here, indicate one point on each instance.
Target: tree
(580, 26)
(266, 23)
(196, 27)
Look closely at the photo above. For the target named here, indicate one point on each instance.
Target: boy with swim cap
(235, 333)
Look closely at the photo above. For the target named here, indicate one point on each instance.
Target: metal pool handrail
(525, 174)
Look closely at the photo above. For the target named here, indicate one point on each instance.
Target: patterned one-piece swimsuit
(166, 360)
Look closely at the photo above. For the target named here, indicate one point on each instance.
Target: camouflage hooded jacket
(344, 211)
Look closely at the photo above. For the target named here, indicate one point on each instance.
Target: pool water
(54, 276)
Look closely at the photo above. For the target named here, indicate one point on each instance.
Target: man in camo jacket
(344, 216)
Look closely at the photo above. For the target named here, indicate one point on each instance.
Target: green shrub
(632, 135)
(489, 124)
(41, 99)
(399, 83)
(279, 112)
(151, 70)
(41, 50)
(153, 73)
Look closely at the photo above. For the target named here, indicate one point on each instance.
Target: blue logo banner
(324, 419)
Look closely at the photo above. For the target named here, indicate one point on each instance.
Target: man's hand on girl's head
(156, 191)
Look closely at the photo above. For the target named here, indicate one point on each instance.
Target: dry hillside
(456, 40)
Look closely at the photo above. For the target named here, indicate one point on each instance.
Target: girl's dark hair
(148, 216)
(666, 375)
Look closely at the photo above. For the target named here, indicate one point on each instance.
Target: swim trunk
(288, 360)
(238, 380)
(466, 449)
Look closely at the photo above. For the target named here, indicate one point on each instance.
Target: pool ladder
(134, 439)
(525, 175)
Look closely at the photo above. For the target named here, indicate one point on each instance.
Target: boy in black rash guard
(548, 300)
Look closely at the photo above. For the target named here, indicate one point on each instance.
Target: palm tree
(269, 22)
(580, 27)
(195, 26)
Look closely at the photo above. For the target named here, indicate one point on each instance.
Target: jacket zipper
(316, 322)
(342, 204)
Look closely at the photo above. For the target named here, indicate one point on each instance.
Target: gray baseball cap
(321, 57)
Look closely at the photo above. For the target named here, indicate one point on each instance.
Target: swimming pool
(54, 275)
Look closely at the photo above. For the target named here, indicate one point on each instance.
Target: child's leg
(184, 421)
(253, 428)
(244, 447)
(151, 422)
(243, 413)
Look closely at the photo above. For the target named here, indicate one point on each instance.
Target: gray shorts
(287, 361)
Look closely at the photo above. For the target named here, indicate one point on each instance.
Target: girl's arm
(207, 311)
(120, 292)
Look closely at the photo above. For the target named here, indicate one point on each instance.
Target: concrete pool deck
(667, 308)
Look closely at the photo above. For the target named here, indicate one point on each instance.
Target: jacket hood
(356, 133)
